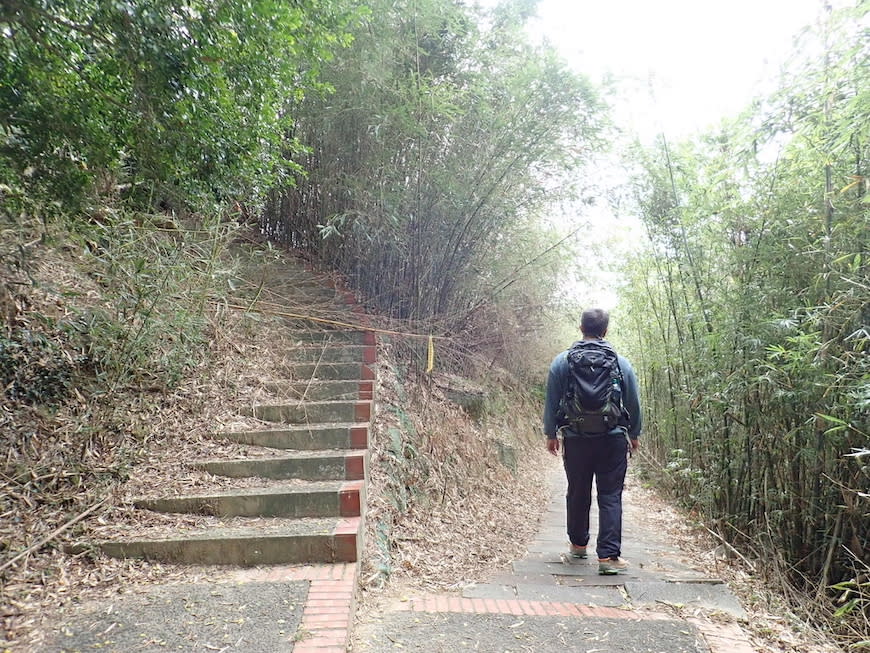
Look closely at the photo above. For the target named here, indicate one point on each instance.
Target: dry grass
(103, 450)
(442, 509)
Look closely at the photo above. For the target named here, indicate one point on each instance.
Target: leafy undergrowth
(775, 624)
(109, 349)
(119, 357)
(796, 616)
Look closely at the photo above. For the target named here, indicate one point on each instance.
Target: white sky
(706, 58)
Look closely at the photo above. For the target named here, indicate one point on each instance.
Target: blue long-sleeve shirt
(557, 381)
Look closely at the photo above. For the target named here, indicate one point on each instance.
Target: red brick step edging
(447, 603)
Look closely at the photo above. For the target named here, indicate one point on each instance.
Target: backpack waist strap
(568, 432)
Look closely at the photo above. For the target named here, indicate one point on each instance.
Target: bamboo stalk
(833, 544)
(731, 548)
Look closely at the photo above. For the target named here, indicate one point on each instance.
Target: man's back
(557, 386)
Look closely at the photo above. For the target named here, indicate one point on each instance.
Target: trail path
(546, 603)
(268, 534)
(297, 592)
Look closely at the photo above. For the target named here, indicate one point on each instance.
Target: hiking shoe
(611, 566)
(578, 552)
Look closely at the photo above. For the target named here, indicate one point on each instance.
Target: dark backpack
(592, 403)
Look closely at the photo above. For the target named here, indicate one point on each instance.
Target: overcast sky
(705, 58)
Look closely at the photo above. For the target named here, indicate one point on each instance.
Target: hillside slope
(75, 457)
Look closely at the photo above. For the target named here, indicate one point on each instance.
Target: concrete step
(302, 292)
(314, 412)
(288, 273)
(333, 337)
(343, 390)
(331, 371)
(340, 353)
(300, 287)
(307, 437)
(294, 541)
(324, 499)
(300, 318)
(316, 466)
(301, 281)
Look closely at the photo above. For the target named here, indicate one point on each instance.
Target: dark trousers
(606, 459)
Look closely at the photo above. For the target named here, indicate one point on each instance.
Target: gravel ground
(202, 617)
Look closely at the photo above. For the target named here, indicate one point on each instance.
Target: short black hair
(594, 322)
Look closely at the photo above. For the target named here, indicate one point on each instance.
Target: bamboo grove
(413, 145)
(751, 316)
(445, 140)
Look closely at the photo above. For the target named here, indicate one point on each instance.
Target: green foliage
(151, 326)
(757, 286)
(434, 161)
(175, 102)
(142, 322)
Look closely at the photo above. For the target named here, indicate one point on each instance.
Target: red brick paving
(349, 498)
(354, 466)
(444, 603)
(363, 411)
(328, 611)
(359, 437)
(721, 638)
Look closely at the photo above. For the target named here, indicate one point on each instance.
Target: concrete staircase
(310, 505)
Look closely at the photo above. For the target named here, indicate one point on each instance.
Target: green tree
(184, 102)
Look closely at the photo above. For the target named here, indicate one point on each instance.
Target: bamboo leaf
(846, 608)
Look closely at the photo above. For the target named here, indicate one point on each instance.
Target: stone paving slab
(516, 579)
(591, 581)
(692, 595)
(606, 596)
(200, 617)
(490, 591)
(545, 544)
(650, 559)
(589, 571)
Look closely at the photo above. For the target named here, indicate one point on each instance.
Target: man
(587, 453)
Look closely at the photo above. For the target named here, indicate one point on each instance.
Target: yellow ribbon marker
(430, 362)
